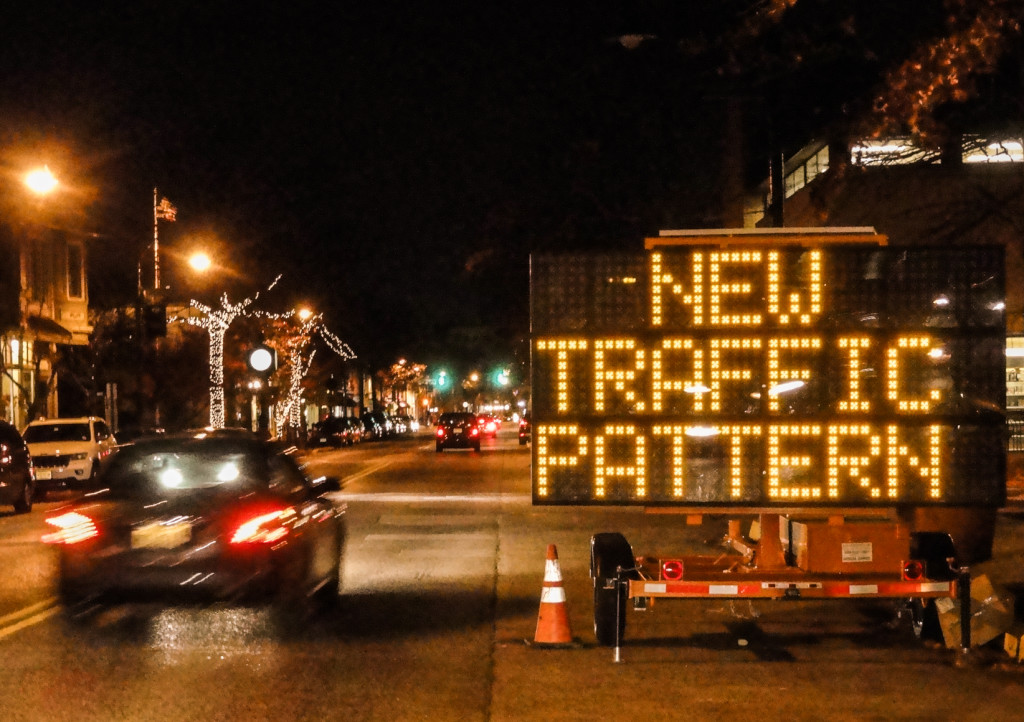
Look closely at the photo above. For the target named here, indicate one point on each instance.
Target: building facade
(44, 296)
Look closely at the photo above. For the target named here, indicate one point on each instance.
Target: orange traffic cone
(553, 618)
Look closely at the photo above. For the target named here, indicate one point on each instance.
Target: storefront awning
(48, 330)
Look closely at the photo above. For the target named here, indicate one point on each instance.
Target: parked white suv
(67, 453)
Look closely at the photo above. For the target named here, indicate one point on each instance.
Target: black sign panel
(850, 375)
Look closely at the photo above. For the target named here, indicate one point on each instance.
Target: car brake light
(72, 528)
(913, 570)
(474, 431)
(265, 528)
(440, 431)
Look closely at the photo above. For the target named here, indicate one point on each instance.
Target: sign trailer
(848, 394)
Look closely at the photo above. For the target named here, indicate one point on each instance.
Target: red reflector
(672, 570)
(72, 528)
(913, 570)
(265, 528)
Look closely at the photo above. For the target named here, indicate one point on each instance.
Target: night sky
(398, 162)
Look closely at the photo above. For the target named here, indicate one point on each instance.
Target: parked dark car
(385, 427)
(202, 515)
(372, 430)
(336, 431)
(17, 479)
(525, 429)
(457, 430)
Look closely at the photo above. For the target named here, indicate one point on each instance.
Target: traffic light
(442, 379)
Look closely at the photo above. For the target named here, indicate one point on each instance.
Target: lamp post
(41, 182)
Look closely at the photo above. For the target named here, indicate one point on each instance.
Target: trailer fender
(937, 551)
(608, 552)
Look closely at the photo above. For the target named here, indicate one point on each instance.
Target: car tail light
(672, 570)
(264, 527)
(913, 570)
(474, 431)
(440, 432)
(72, 528)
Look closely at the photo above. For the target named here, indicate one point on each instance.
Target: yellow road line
(27, 617)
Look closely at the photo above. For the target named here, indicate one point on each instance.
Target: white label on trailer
(856, 552)
(863, 589)
(723, 589)
(935, 587)
(655, 588)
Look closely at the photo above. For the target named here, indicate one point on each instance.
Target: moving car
(17, 480)
(67, 453)
(457, 430)
(525, 429)
(208, 515)
(489, 425)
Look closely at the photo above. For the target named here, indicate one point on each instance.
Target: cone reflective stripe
(553, 618)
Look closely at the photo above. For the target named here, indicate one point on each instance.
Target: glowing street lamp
(41, 181)
(200, 262)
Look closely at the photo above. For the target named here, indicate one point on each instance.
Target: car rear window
(453, 419)
(155, 469)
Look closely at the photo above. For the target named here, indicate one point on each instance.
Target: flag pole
(156, 245)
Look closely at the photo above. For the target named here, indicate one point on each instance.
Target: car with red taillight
(489, 425)
(525, 429)
(457, 430)
(207, 515)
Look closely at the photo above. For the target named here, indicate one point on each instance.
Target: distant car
(67, 453)
(404, 424)
(457, 430)
(201, 516)
(525, 429)
(17, 480)
(489, 425)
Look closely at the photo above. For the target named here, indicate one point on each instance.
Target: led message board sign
(852, 375)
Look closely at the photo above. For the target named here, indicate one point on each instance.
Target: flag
(166, 210)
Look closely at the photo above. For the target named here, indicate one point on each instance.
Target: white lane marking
(434, 519)
(427, 536)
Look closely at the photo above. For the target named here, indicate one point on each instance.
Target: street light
(200, 262)
(41, 181)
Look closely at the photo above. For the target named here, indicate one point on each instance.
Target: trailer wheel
(609, 552)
